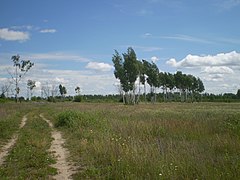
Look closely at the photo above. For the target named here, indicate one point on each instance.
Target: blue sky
(72, 42)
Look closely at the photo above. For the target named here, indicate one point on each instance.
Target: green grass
(10, 117)
(114, 141)
(168, 141)
(29, 158)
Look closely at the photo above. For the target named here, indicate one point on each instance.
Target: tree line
(132, 73)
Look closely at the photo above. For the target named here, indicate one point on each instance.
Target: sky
(72, 42)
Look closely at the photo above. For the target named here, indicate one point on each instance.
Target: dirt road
(65, 168)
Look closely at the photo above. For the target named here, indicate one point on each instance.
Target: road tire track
(6, 148)
(64, 168)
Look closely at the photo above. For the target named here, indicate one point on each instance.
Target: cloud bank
(48, 31)
(99, 66)
(222, 59)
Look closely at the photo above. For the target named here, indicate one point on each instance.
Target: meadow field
(115, 141)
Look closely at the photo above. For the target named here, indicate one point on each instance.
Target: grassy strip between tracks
(29, 158)
(10, 118)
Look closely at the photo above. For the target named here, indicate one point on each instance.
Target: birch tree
(126, 70)
(31, 84)
(21, 67)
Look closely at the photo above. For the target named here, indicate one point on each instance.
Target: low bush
(77, 98)
(74, 119)
(67, 119)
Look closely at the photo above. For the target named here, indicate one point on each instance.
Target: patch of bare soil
(65, 168)
(6, 148)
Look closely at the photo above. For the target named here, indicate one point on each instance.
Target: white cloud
(218, 70)
(228, 4)
(90, 83)
(25, 27)
(183, 37)
(11, 35)
(99, 66)
(222, 59)
(180, 37)
(147, 35)
(59, 80)
(154, 59)
(144, 48)
(48, 31)
(55, 56)
(38, 84)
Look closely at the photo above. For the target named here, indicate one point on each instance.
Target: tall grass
(164, 141)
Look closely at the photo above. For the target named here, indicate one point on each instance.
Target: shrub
(77, 98)
(74, 119)
(67, 118)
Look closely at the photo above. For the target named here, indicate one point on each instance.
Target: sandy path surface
(12, 141)
(65, 169)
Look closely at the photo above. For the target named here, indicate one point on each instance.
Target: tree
(78, 90)
(201, 87)
(131, 73)
(152, 72)
(126, 71)
(21, 68)
(5, 90)
(166, 81)
(31, 84)
(142, 77)
(119, 70)
(238, 94)
(49, 91)
(62, 90)
(78, 97)
(179, 79)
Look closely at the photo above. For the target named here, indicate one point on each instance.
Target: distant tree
(49, 91)
(31, 84)
(200, 87)
(62, 90)
(131, 72)
(119, 71)
(180, 83)
(166, 81)
(5, 90)
(238, 94)
(45, 91)
(78, 90)
(143, 78)
(152, 72)
(78, 97)
(21, 68)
